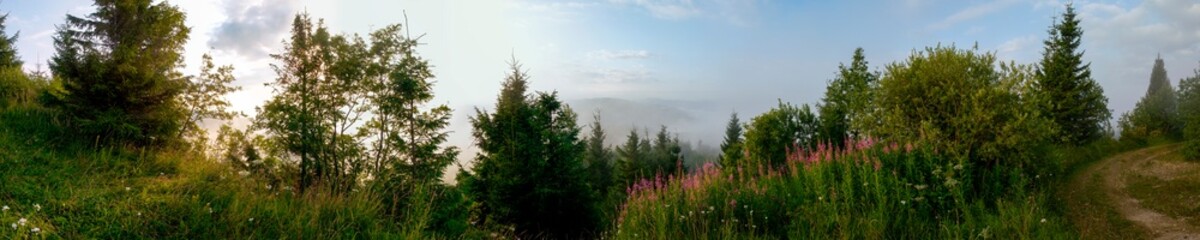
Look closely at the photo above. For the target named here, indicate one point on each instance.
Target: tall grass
(66, 187)
(866, 191)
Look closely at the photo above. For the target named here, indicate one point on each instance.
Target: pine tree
(1157, 113)
(119, 68)
(529, 173)
(1069, 95)
(8, 49)
(599, 160)
(630, 160)
(731, 149)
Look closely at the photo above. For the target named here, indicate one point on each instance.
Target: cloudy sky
(705, 58)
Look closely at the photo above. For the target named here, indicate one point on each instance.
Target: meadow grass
(865, 192)
(64, 187)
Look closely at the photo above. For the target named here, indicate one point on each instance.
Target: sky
(686, 64)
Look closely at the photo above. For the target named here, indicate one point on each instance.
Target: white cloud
(972, 12)
(665, 9)
(737, 12)
(615, 75)
(1021, 49)
(619, 55)
(253, 28)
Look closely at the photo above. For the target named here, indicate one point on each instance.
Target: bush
(16, 87)
(956, 101)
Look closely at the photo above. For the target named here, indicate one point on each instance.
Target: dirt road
(1112, 176)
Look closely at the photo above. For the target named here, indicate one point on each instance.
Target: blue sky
(716, 56)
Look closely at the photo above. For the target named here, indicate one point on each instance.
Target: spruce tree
(1069, 95)
(731, 148)
(529, 173)
(8, 49)
(599, 160)
(120, 71)
(630, 160)
(1157, 113)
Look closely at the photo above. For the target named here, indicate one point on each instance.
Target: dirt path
(1113, 173)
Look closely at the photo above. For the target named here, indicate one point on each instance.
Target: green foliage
(878, 192)
(119, 68)
(529, 174)
(1066, 92)
(956, 101)
(8, 49)
(1156, 115)
(407, 143)
(598, 160)
(847, 99)
(731, 149)
(645, 157)
(17, 87)
(783, 129)
(316, 104)
(204, 98)
(1189, 114)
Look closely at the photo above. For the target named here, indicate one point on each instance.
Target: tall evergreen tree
(599, 160)
(1069, 95)
(731, 148)
(529, 173)
(630, 158)
(1157, 113)
(8, 49)
(120, 70)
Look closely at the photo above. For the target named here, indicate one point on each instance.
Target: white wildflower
(22, 221)
(37, 207)
(958, 167)
(1043, 220)
(921, 187)
(5, 208)
(35, 230)
(251, 219)
(139, 214)
(902, 202)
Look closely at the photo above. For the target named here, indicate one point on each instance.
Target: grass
(65, 188)
(1183, 202)
(871, 192)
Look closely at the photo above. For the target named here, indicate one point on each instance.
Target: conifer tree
(119, 67)
(8, 48)
(1189, 114)
(1068, 94)
(731, 148)
(599, 160)
(529, 173)
(1157, 113)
